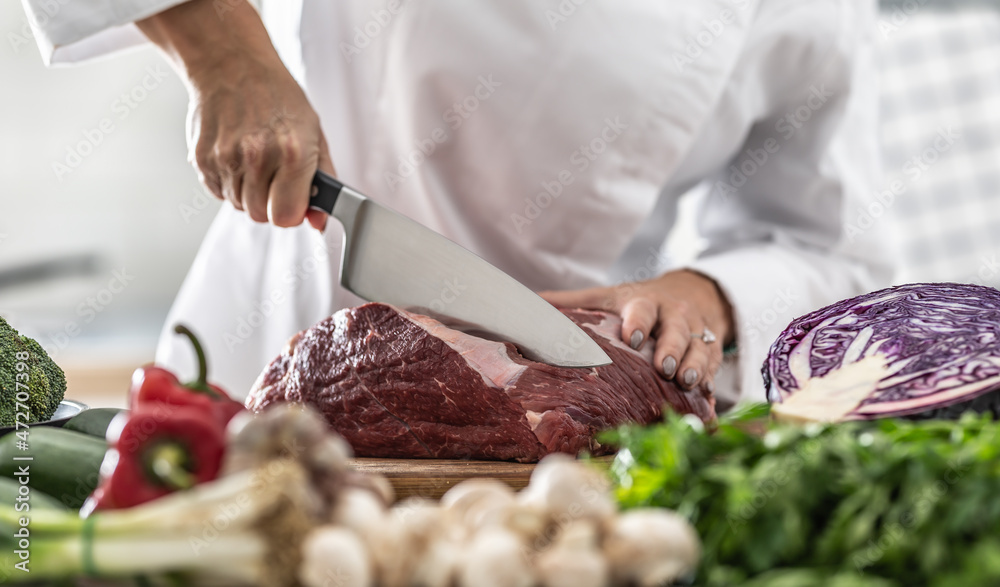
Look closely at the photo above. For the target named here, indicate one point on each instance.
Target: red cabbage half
(918, 350)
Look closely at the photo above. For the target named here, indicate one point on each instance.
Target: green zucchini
(10, 490)
(93, 421)
(64, 464)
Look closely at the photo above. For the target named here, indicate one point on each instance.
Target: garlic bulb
(334, 556)
(651, 546)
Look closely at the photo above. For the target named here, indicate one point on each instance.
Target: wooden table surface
(430, 478)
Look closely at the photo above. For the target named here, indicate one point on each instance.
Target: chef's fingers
(260, 162)
(232, 188)
(714, 363)
(200, 142)
(207, 175)
(317, 218)
(595, 298)
(288, 196)
(694, 367)
(673, 338)
(200, 158)
(226, 160)
(211, 183)
(639, 316)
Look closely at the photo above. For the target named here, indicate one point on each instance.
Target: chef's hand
(675, 309)
(252, 134)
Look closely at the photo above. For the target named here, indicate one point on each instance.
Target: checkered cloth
(941, 138)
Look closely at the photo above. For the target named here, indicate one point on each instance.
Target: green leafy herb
(890, 503)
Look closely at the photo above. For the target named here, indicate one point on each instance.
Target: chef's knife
(391, 259)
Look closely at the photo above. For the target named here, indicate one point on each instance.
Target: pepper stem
(166, 462)
(200, 384)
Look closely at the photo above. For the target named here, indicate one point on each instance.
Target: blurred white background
(129, 204)
(123, 218)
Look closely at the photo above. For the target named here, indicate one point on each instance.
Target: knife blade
(392, 259)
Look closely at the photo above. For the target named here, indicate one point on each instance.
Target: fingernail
(690, 376)
(636, 340)
(669, 367)
(710, 386)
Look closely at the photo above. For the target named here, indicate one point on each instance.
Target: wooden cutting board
(430, 478)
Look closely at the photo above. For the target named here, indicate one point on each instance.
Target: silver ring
(707, 336)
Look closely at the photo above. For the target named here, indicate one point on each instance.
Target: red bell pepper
(155, 450)
(172, 439)
(156, 385)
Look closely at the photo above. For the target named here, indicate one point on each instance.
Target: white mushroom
(387, 543)
(360, 510)
(334, 556)
(439, 564)
(574, 560)
(412, 527)
(569, 490)
(495, 557)
(377, 484)
(531, 522)
(462, 496)
(649, 547)
(478, 502)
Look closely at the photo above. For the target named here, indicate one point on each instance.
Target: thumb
(596, 298)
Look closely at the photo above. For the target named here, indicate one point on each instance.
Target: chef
(553, 138)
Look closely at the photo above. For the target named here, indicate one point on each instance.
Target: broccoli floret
(46, 383)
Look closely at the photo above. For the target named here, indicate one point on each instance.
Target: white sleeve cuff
(73, 30)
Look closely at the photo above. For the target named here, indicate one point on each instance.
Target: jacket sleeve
(795, 221)
(74, 30)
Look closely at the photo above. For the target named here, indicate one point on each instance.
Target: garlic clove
(650, 547)
(377, 484)
(496, 558)
(335, 556)
(438, 567)
(566, 566)
(359, 510)
(467, 493)
(569, 490)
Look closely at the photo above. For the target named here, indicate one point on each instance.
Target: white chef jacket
(554, 138)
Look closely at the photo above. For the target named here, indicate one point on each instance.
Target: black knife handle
(325, 189)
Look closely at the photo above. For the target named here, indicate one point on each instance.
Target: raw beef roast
(397, 384)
